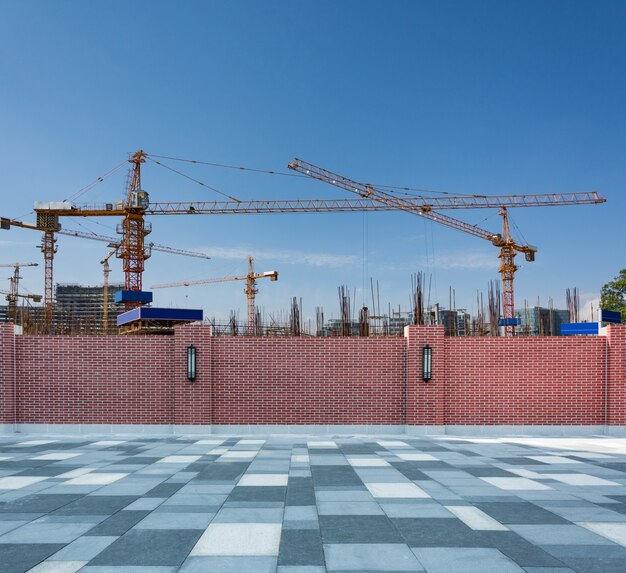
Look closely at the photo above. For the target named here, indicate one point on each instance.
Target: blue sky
(463, 97)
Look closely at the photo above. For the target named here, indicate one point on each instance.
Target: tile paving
(292, 504)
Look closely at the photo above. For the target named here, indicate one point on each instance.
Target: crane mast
(105, 288)
(134, 229)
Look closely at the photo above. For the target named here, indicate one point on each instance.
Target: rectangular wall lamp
(427, 363)
(191, 362)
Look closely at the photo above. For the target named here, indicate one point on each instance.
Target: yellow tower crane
(13, 292)
(508, 247)
(250, 290)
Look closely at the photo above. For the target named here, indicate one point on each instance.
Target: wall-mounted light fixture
(191, 362)
(427, 363)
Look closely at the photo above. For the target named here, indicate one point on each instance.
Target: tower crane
(136, 205)
(105, 288)
(508, 247)
(250, 290)
(13, 293)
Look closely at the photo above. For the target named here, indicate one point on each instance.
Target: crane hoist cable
(97, 181)
(202, 184)
(300, 176)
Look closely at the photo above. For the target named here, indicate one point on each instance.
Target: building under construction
(81, 308)
(78, 309)
(541, 321)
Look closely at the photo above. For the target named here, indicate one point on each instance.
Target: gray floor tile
(222, 564)
(558, 535)
(465, 560)
(96, 505)
(249, 515)
(358, 529)
(36, 532)
(176, 520)
(149, 547)
(127, 569)
(371, 557)
(83, 548)
(18, 558)
(301, 547)
(118, 524)
(300, 569)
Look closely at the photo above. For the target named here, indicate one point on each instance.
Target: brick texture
(298, 380)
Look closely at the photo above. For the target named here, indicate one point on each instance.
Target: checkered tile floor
(310, 505)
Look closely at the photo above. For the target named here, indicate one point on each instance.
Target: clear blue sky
(486, 97)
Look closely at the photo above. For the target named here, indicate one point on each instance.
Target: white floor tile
(367, 462)
(417, 457)
(263, 480)
(217, 451)
(76, 473)
(58, 567)
(588, 455)
(525, 473)
(56, 456)
(18, 482)
(399, 490)
(392, 444)
(554, 460)
(518, 483)
(615, 532)
(239, 539)
(178, 459)
(580, 479)
(95, 479)
(34, 443)
(209, 442)
(3, 458)
(251, 442)
(107, 443)
(318, 444)
(296, 458)
(239, 454)
(475, 518)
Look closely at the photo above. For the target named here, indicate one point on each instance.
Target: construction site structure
(504, 241)
(13, 294)
(113, 242)
(136, 205)
(250, 290)
(81, 308)
(105, 287)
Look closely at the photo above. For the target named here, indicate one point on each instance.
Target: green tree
(613, 295)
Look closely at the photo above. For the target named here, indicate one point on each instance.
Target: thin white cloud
(283, 256)
(469, 261)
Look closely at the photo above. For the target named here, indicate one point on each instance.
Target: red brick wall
(7, 374)
(616, 373)
(94, 379)
(476, 381)
(308, 380)
(538, 380)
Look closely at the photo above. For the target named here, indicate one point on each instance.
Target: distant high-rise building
(81, 308)
(541, 321)
(455, 322)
